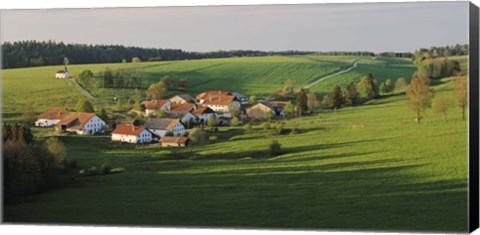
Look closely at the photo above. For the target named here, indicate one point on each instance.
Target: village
(167, 121)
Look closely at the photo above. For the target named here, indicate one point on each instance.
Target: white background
(52, 230)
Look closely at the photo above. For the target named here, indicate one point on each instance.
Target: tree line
(39, 53)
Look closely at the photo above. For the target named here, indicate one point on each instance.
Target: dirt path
(332, 75)
(83, 91)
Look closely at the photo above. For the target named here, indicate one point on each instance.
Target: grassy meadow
(367, 167)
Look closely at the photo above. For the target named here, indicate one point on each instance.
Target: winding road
(332, 75)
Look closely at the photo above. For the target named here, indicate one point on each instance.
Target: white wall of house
(46, 122)
(166, 106)
(206, 116)
(61, 75)
(178, 129)
(144, 137)
(177, 100)
(187, 118)
(94, 125)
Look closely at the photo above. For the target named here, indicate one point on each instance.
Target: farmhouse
(81, 123)
(61, 74)
(204, 96)
(258, 111)
(152, 106)
(131, 134)
(204, 113)
(160, 126)
(185, 107)
(222, 104)
(170, 141)
(182, 99)
(243, 99)
(50, 117)
(185, 117)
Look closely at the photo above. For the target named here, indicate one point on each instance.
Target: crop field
(368, 167)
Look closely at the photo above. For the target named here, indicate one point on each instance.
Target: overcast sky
(318, 27)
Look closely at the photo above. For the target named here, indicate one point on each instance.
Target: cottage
(131, 134)
(182, 99)
(50, 117)
(161, 126)
(259, 110)
(170, 141)
(61, 74)
(222, 104)
(81, 123)
(152, 106)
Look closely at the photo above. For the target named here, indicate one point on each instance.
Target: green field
(369, 167)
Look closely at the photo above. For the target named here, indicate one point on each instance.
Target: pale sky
(317, 27)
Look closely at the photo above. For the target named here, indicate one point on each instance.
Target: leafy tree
(160, 113)
(287, 87)
(400, 85)
(196, 135)
(312, 101)
(107, 77)
(58, 151)
(461, 93)
(234, 121)
(136, 60)
(383, 88)
(103, 114)
(268, 116)
(137, 98)
(274, 148)
(248, 128)
(85, 77)
(302, 102)
(367, 87)
(84, 106)
(351, 96)
(441, 106)
(327, 101)
(182, 84)
(419, 96)
(212, 121)
(337, 97)
(266, 125)
(157, 90)
(388, 86)
(252, 99)
(289, 108)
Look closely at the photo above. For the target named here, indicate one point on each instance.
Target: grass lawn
(369, 167)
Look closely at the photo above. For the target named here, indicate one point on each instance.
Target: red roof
(60, 71)
(128, 130)
(207, 94)
(154, 104)
(182, 107)
(53, 114)
(219, 100)
(201, 110)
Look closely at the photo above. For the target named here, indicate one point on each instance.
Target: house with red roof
(51, 117)
(61, 74)
(220, 102)
(80, 123)
(156, 104)
(131, 134)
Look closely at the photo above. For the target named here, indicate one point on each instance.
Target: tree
(312, 101)
(252, 99)
(302, 102)
(400, 85)
(28, 117)
(103, 114)
(182, 84)
(157, 90)
(248, 128)
(383, 88)
(267, 116)
(160, 113)
(136, 60)
(419, 96)
(337, 97)
(137, 97)
(461, 93)
(196, 135)
(107, 78)
(441, 106)
(351, 94)
(58, 151)
(274, 148)
(84, 106)
(212, 121)
(367, 87)
(327, 101)
(289, 108)
(388, 86)
(287, 88)
(85, 77)
(234, 121)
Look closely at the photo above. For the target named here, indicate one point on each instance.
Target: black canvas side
(473, 119)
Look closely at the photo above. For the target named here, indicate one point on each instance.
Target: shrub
(213, 139)
(248, 128)
(72, 164)
(105, 168)
(117, 170)
(279, 128)
(266, 125)
(274, 148)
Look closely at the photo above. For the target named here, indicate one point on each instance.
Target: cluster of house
(180, 112)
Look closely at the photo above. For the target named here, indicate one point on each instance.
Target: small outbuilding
(170, 141)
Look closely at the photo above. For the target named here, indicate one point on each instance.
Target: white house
(185, 117)
(61, 74)
(222, 104)
(131, 134)
(203, 114)
(81, 123)
(160, 126)
(50, 117)
(181, 99)
(154, 105)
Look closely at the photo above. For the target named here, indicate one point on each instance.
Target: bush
(248, 128)
(274, 148)
(266, 125)
(279, 129)
(88, 171)
(72, 164)
(105, 168)
(117, 170)
(213, 139)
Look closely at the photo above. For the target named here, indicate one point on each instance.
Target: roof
(220, 100)
(182, 107)
(172, 139)
(60, 71)
(175, 114)
(185, 97)
(161, 123)
(128, 130)
(53, 113)
(76, 120)
(205, 95)
(201, 110)
(153, 104)
(277, 104)
(238, 95)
